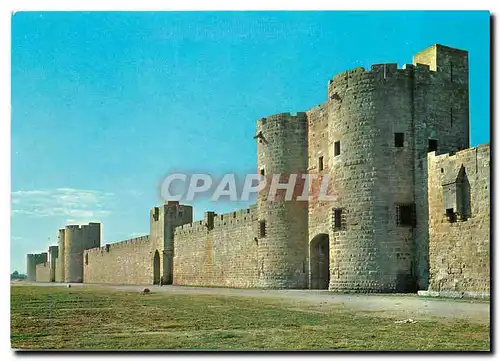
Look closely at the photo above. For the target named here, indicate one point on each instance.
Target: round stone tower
(31, 267)
(76, 240)
(370, 157)
(60, 277)
(282, 233)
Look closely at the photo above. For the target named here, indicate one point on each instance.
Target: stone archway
(156, 268)
(319, 256)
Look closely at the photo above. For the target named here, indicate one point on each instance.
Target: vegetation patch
(104, 319)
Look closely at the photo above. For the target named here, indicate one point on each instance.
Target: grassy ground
(97, 318)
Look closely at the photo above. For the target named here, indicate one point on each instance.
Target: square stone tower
(163, 219)
(441, 124)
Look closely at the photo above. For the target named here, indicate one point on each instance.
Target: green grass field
(98, 318)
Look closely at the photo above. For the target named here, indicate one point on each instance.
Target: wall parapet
(110, 246)
(485, 147)
(220, 221)
(301, 116)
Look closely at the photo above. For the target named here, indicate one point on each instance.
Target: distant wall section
(126, 262)
(43, 272)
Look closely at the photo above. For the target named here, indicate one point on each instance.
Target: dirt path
(385, 305)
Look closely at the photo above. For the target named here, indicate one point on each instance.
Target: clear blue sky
(104, 105)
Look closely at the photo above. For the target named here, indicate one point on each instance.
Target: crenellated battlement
(38, 258)
(299, 116)
(383, 68)
(226, 220)
(110, 246)
(76, 227)
(379, 75)
(481, 148)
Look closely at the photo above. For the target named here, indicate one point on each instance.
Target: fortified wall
(127, 261)
(459, 221)
(384, 231)
(220, 250)
(143, 260)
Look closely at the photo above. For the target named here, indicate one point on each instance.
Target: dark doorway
(319, 251)
(156, 268)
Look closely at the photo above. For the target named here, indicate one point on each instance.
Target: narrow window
(399, 139)
(262, 229)
(262, 172)
(433, 145)
(320, 164)
(87, 259)
(405, 214)
(156, 213)
(337, 218)
(336, 148)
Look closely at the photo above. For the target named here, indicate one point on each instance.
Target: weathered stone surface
(129, 261)
(74, 240)
(459, 251)
(220, 250)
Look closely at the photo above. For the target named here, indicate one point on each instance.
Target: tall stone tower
(441, 118)
(53, 259)
(163, 219)
(282, 241)
(74, 240)
(371, 174)
(60, 274)
(30, 267)
(381, 123)
(31, 261)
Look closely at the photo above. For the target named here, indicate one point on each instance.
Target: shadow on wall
(406, 283)
(319, 251)
(156, 268)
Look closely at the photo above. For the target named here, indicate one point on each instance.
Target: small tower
(31, 267)
(282, 241)
(32, 260)
(441, 124)
(53, 259)
(76, 240)
(163, 219)
(60, 275)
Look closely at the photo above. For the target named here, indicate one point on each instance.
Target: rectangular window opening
(399, 139)
(320, 164)
(156, 213)
(262, 229)
(405, 214)
(262, 172)
(433, 145)
(337, 218)
(336, 148)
